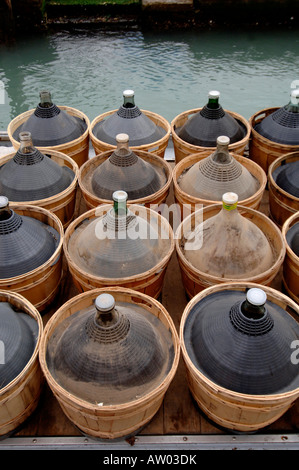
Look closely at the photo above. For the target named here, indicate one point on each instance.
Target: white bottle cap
(214, 94)
(256, 296)
(230, 198)
(105, 302)
(295, 96)
(3, 202)
(122, 138)
(223, 140)
(120, 196)
(128, 93)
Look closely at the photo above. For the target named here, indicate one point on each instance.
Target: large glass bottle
(119, 244)
(121, 352)
(220, 172)
(125, 169)
(242, 341)
(25, 242)
(30, 175)
(128, 119)
(203, 127)
(282, 125)
(231, 246)
(51, 125)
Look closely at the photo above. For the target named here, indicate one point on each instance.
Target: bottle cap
(120, 196)
(128, 93)
(214, 94)
(122, 138)
(223, 140)
(25, 136)
(256, 296)
(295, 96)
(104, 302)
(230, 198)
(3, 202)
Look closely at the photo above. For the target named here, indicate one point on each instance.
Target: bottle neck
(221, 154)
(213, 103)
(106, 319)
(129, 102)
(5, 213)
(292, 107)
(45, 99)
(26, 145)
(122, 148)
(252, 311)
(120, 208)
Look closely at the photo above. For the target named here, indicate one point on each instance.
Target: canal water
(170, 72)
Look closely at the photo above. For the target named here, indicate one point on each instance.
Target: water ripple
(170, 72)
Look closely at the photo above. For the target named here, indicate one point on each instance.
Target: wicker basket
(149, 282)
(262, 150)
(189, 203)
(291, 262)
(157, 147)
(195, 281)
(63, 203)
(152, 200)
(20, 397)
(182, 149)
(281, 204)
(231, 410)
(41, 285)
(110, 421)
(77, 149)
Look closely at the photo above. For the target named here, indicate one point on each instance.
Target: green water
(170, 72)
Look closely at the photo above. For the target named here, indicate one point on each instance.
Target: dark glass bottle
(4, 208)
(213, 99)
(129, 100)
(254, 305)
(106, 315)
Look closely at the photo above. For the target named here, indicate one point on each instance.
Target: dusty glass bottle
(233, 247)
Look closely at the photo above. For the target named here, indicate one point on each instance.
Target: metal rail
(156, 443)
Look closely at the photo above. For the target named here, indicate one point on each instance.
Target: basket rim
(263, 139)
(276, 163)
(105, 207)
(30, 309)
(215, 279)
(144, 155)
(148, 113)
(194, 158)
(284, 230)
(69, 109)
(50, 327)
(75, 168)
(57, 253)
(238, 285)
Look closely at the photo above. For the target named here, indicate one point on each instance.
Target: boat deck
(179, 423)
